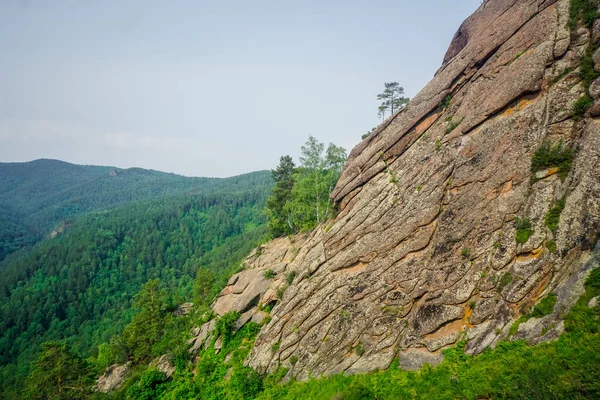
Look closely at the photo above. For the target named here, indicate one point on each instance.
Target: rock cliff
(448, 230)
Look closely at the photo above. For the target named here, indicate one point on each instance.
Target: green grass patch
(581, 106)
(585, 11)
(524, 230)
(269, 274)
(553, 215)
(567, 368)
(562, 369)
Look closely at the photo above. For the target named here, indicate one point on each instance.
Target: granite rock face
(423, 252)
(113, 377)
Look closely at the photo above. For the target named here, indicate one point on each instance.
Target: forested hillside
(37, 196)
(78, 287)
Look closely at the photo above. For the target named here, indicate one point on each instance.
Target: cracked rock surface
(424, 251)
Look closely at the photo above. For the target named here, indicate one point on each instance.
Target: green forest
(106, 290)
(39, 196)
(79, 286)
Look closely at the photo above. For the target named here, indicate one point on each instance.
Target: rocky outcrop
(424, 251)
(113, 377)
(164, 365)
(266, 274)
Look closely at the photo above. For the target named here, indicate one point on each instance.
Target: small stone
(228, 357)
(594, 302)
(196, 331)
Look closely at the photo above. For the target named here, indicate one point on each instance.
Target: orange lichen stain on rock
(446, 330)
(467, 317)
(520, 105)
(426, 124)
(534, 254)
(500, 192)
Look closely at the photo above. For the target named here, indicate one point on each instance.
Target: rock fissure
(409, 268)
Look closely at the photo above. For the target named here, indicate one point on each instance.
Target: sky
(204, 88)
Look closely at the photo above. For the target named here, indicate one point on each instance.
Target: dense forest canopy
(78, 287)
(38, 196)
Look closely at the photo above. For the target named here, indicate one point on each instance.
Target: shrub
(544, 307)
(524, 230)
(593, 279)
(360, 349)
(553, 216)
(269, 274)
(290, 277)
(356, 391)
(275, 347)
(548, 156)
(452, 124)
(465, 253)
(281, 291)
(505, 280)
(293, 359)
(551, 246)
(246, 382)
(581, 106)
(149, 386)
(582, 10)
(225, 326)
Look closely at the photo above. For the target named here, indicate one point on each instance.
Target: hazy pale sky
(206, 88)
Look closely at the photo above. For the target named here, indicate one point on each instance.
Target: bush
(356, 391)
(553, 216)
(505, 280)
(524, 230)
(544, 307)
(548, 156)
(269, 274)
(581, 106)
(290, 277)
(148, 387)
(582, 10)
(246, 382)
(225, 326)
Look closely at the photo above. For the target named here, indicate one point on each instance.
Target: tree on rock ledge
(392, 99)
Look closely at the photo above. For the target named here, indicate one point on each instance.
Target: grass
(524, 230)
(290, 277)
(581, 106)
(553, 156)
(452, 124)
(504, 281)
(465, 253)
(568, 368)
(551, 246)
(553, 215)
(585, 11)
(269, 274)
(564, 369)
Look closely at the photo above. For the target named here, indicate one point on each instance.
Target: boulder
(164, 365)
(113, 377)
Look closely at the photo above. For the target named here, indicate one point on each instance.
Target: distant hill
(37, 196)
